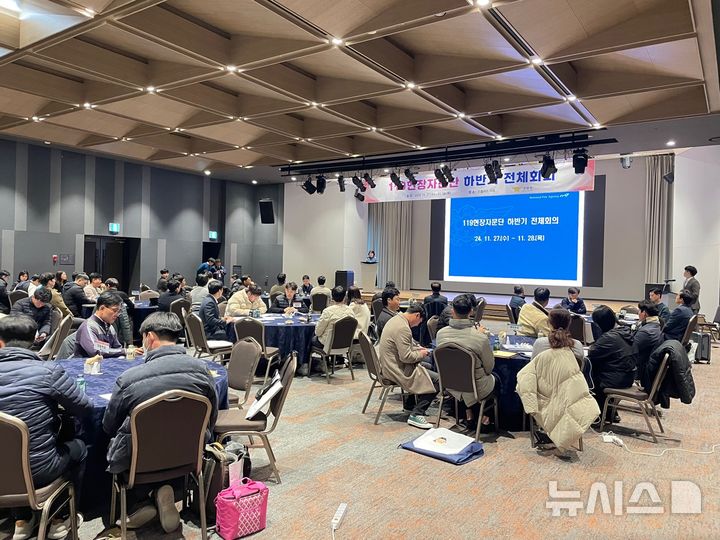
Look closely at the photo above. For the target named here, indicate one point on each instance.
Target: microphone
(669, 280)
(266, 280)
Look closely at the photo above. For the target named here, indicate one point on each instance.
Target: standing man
(655, 296)
(206, 266)
(164, 274)
(692, 285)
(218, 271)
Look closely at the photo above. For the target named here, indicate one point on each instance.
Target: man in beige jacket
(533, 319)
(242, 302)
(400, 362)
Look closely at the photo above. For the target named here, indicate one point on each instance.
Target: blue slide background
(525, 251)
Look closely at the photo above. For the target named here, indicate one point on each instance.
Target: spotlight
(448, 173)
(490, 172)
(625, 161)
(580, 160)
(369, 180)
(341, 183)
(359, 196)
(441, 177)
(410, 176)
(396, 180)
(358, 183)
(321, 183)
(548, 166)
(308, 186)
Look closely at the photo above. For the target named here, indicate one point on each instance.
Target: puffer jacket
(41, 316)
(553, 390)
(613, 359)
(165, 368)
(678, 382)
(32, 389)
(74, 298)
(4, 298)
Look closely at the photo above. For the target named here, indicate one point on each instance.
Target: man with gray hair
(167, 366)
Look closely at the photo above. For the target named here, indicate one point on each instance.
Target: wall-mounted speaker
(267, 214)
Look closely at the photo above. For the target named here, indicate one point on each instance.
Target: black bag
(216, 470)
(702, 353)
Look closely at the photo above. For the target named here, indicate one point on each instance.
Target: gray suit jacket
(693, 285)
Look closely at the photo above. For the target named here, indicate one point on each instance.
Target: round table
(294, 336)
(95, 492)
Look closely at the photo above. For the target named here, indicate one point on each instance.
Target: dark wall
(51, 198)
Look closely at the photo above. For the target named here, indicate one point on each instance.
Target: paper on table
(106, 396)
(503, 354)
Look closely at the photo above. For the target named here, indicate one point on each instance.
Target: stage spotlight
(447, 172)
(625, 161)
(548, 166)
(410, 176)
(321, 183)
(396, 180)
(369, 180)
(359, 196)
(441, 178)
(341, 183)
(497, 168)
(490, 173)
(308, 186)
(358, 183)
(580, 160)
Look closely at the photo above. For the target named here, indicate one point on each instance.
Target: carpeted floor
(328, 453)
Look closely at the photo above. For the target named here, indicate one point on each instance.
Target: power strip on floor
(338, 517)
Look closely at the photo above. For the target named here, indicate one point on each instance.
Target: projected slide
(530, 239)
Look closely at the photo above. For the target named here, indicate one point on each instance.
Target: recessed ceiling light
(506, 159)
(293, 178)
(671, 142)
(337, 41)
(207, 173)
(248, 166)
(254, 182)
(373, 128)
(237, 146)
(231, 117)
(537, 61)
(571, 98)
(87, 105)
(596, 125)
(88, 12)
(35, 118)
(499, 137)
(483, 3)
(386, 170)
(410, 85)
(313, 104)
(442, 165)
(46, 142)
(150, 89)
(231, 69)
(461, 115)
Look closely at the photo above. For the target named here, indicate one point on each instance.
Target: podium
(368, 276)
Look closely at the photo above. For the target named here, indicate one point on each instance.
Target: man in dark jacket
(655, 296)
(518, 298)
(648, 336)
(435, 287)
(168, 297)
(4, 298)
(573, 302)
(166, 367)
(32, 390)
(74, 295)
(680, 316)
(37, 307)
(216, 327)
(391, 307)
(612, 356)
(287, 302)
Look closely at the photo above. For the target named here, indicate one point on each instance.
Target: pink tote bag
(241, 509)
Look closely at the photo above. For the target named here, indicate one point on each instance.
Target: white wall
(696, 221)
(323, 233)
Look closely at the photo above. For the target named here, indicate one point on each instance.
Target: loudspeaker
(346, 278)
(267, 215)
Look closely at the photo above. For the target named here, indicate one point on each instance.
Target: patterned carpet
(328, 452)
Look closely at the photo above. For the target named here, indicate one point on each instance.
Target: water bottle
(80, 381)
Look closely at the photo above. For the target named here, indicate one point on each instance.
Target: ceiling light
(483, 3)
(580, 160)
(231, 69)
(254, 182)
(313, 104)
(359, 196)
(671, 142)
(548, 166)
(441, 177)
(571, 98)
(373, 129)
(386, 170)
(237, 147)
(338, 175)
(596, 125)
(395, 179)
(410, 85)
(293, 178)
(341, 183)
(207, 173)
(626, 161)
(461, 115)
(506, 159)
(536, 61)
(442, 165)
(87, 105)
(249, 166)
(46, 142)
(369, 180)
(36, 118)
(308, 186)
(410, 176)
(358, 183)
(499, 137)
(150, 89)
(321, 183)
(336, 41)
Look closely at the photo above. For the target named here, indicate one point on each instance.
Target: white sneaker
(419, 421)
(59, 528)
(169, 515)
(24, 529)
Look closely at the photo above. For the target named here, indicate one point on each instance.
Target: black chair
(577, 328)
(318, 302)
(16, 295)
(372, 365)
(433, 308)
(377, 307)
(342, 333)
(480, 310)
(512, 317)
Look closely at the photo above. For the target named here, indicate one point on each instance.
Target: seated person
(216, 327)
(34, 284)
(22, 282)
(164, 274)
(543, 343)
(95, 288)
(391, 306)
(612, 356)
(306, 287)
(679, 318)
(37, 307)
(200, 292)
(655, 296)
(359, 308)
(554, 391)
(168, 297)
(648, 335)
(288, 303)
(33, 391)
(336, 310)
(48, 281)
(4, 290)
(280, 287)
(97, 335)
(388, 285)
(244, 301)
(518, 298)
(462, 332)
(74, 295)
(167, 366)
(400, 362)
(533, 319)
(573, 302)
(435, 287)
(321, 288)
(235, 284)
(112, 284)
(446, 314)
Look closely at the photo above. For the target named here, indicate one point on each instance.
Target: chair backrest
(370, 355)
(480, 310)
(196, 331)
(244, 358)
(67, 347)
(433, 308)
(717, 316)
(377, 307)
(147, 295)
(510, 314)
(55, 318)
(577, 328)
(432, 324)
(692, 325)
(249, 327)
(177, 306)
(659, 376)
(287, 374)
(62, 333)
(318, 302)
(17, 295)
(273, 296)
(16, 488)
(343, 333)
(222, 308)
(630, 309)
(168, 435)
(456, 368)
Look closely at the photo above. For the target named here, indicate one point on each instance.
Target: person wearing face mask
(167, 366)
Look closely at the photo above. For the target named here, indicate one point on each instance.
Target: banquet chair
(222, 308)
(67, 348)
(577, 328)
(199, 341)
(167, 441)
(244, 358)
(377, 307)
(371, 363)
(249, 327)
(14, 296)
(692, 325)
(177, 308)
(480, 310)
(273, 296)
(456, 368)
(433, 308)
(342, 333)
(318, 302)
(55, 317)
(59, 336)
(510, 314)
(533, 430)
(432, 325)
(712, 327)
(147, 295)
(232, 422)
